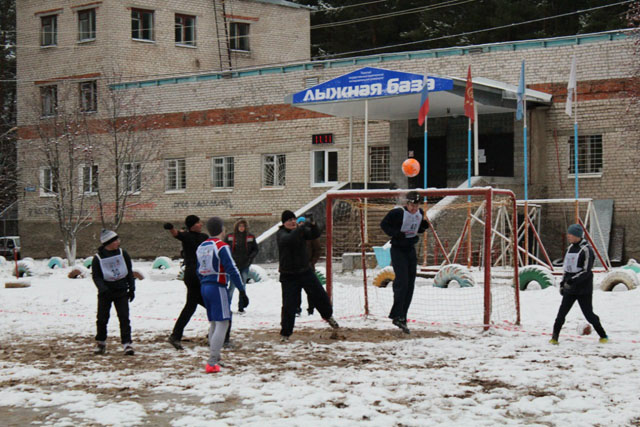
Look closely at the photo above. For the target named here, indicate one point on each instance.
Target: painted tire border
(537, 273)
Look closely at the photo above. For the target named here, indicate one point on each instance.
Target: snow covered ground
(368, 374)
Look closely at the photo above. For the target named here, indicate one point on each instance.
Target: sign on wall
(370, 83)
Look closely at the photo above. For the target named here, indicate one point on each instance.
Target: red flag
(468, 98)
(424, 103)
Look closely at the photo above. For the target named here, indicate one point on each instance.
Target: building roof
(284, 3)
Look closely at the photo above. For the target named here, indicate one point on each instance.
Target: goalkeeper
(403, 224)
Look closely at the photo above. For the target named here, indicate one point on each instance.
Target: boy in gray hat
(112, 274)
(577, 283)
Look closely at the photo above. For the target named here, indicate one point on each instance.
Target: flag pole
(575, 149)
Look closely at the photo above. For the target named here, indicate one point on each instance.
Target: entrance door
(496, 154)
(436, 158)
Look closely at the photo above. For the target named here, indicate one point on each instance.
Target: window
(222, 172)
(48, 181)
(589, 154)
(49, 30)
(132, 177)
(86, 25)
(379, 164)
(88, 97)
(89, 177)
(142, 24)
(239, 36)
(324, 167)
(273, 170)
(176, 174)
(186, 30)
(49, 100)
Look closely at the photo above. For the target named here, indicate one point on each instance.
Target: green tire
(535, 273)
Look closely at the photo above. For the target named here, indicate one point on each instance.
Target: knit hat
(190, 221)
(575, 230)
(287, 215)
(301, 219)
(215, 225)
(413, 197)
(107, 236)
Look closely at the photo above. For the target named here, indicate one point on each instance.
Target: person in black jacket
(403, 224)
(112, 274)
(296, 273)
(244, 249)
(190, 239)
(577, 283)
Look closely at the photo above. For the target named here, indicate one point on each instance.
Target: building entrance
(436, 158)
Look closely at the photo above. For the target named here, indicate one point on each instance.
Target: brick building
(232, 146)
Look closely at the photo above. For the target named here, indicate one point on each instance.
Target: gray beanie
(575, 230)
(107, 236)
(215, 225)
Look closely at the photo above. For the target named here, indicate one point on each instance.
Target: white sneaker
(128, 349)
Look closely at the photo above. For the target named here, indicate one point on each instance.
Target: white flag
(571, 87)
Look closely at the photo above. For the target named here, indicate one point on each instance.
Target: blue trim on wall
(387, 57)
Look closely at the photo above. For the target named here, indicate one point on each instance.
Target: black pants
(194, 297)
(292, 285)
(121, 302)
(405, 263)
(587, 309)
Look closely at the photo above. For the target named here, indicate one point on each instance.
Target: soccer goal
(467, 272)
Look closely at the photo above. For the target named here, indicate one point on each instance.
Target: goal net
(467, 272)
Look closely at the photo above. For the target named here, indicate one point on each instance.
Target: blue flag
(520, 95)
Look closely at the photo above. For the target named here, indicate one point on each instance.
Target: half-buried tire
(454, 272)
(535, 273)
(619, 276)
(384, 277)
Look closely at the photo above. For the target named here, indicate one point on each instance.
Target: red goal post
(487, 237)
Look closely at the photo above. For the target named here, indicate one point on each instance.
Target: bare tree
(94, 159)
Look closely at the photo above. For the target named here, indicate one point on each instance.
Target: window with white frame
(86, 25)
(49, 30)
(142, 24)
(176, 174)
(185, 30)
(48, 181)
(239, 39)
(274, 168)
(88, 96)
(89, 178)
(49, 100)
(222, 172)
(132, 177)
(379, 164)
(324, 166)
(589, 154)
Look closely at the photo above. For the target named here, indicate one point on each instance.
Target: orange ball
(411, 167)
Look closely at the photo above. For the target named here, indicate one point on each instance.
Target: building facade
(233, 147)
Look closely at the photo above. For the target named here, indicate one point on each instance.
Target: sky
(368, 373)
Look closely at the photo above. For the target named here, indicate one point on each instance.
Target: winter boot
(175, 343)
(128, 349)
(332, 322)
(284, 338)
(101, 348)
(402, 324)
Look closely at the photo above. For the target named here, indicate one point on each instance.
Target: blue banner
(370, 83)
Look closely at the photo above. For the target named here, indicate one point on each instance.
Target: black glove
(167, 226)
(244, 300)
(131, 295)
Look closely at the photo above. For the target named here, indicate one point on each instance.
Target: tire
(321, 277)
(619, 276)
(256, 274)
(3, 260)
(55, 262)
(87, 262)
(25, 268)
(632, 265)
(535, 273)
(138, 274)
(384, 277)
(452, 272)
(161, 263)
(79, 272)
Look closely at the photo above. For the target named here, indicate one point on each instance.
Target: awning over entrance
(393, 95)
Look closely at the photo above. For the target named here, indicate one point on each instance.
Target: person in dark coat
(296, 273)
(244, 249)
(403, 224)
(191, 239)
(112, 273)
(315, 250)
(577, 283)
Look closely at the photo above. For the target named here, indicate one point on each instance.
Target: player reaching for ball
(403, 225)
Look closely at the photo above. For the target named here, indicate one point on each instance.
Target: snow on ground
(367, 374)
